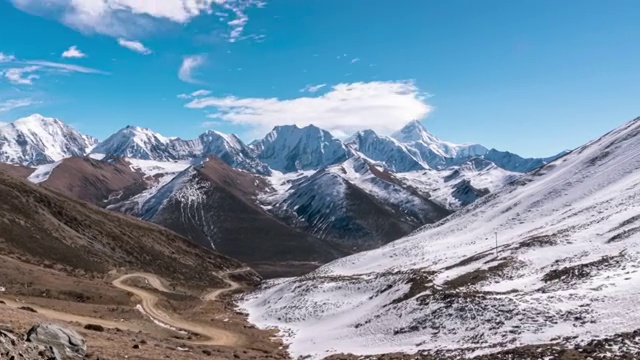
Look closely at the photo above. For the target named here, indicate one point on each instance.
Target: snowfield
(42, 172)
(566, 270)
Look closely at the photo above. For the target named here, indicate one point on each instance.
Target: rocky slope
(94, 181)
(355, 204)
(214, 205)
(565, 270)
(46, 228)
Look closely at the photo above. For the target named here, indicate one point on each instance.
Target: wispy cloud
(194, 94)
(312, 88)
(345, 109)
(11, 104)
(131, 18)
(24, 72)
(134, 46)
(73, 52)
(189, 65)
(6, 58)
(21, 76)
(62, 67)
(353, 61)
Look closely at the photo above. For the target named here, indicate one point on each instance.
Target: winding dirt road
(212, 335)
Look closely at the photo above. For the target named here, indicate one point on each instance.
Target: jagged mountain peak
(414, 131)
(36, 118)
(387, 151)
(136, 142)
(289, 148)
(36, 140)
(231, 139)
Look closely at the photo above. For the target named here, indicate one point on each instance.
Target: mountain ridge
(287, 148)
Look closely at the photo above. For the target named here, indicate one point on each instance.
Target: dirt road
(213, 335)
(62, 316)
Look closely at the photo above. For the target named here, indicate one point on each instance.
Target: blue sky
(530, 76)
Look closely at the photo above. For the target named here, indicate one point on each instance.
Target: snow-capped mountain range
(144, 144)
(550, 261)
(37, 140)
(306, 185)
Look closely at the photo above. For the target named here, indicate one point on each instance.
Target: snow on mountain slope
(414, 207)
(144, 144)
(566, 270)
(459, 185)
(394, 155)
(214, 206)
(136, 142)
(514, 162)
(159, 174)
(433, 151)
(353, 203)
(290, 148)
(232, 151)
(42, 172)
(440, 155)
(37, 140)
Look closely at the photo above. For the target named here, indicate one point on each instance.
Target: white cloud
(353, 61)
(200, 93)
(6, 58)
(126, 18)
(312, 88)
(347, 108)
(31, 70)
(189, 65)
(15, 103)
(73, 52)
(21, 76)
(62, 67)
(194, 94)
(134, 46)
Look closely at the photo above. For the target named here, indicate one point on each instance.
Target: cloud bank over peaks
(345, 109)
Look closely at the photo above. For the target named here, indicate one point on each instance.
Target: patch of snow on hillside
(153, 167)
(280, 184)
(42, 173)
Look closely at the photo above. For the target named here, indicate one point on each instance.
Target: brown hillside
(20, 171)
(45, 228)
(92, 180)
(229, 220)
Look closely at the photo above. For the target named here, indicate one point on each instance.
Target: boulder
(65, 344)
(12, 346)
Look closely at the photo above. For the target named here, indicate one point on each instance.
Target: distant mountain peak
(415, 131)
(289, 148)
(36, 140)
